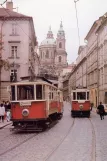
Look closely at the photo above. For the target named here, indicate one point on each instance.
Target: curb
(1, 127)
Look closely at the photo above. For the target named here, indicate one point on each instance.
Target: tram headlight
(81, 107)
(25, 112)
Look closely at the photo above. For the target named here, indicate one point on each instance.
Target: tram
(35, 105)
(80, 103)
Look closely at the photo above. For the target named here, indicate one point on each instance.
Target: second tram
(80, 103)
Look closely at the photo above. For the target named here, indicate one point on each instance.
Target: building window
(14, 50)
(60, 59)
(47, 54)
(41, 54)
(13, 75)
(60, 45)
(14, 29)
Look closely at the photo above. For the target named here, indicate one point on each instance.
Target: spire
(61, 26)
(61, 31)
(50, 34)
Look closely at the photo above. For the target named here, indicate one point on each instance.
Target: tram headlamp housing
(81, 107)
(25, 112)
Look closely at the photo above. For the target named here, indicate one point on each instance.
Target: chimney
(9, 5)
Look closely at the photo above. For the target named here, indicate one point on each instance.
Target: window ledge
(14, 57)
(13, 35)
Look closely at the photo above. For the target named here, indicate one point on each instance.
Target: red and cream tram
(35, 105)
(80, 103)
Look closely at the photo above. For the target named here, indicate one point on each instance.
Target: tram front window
(81, 95)
(74, 95)
(25, 92)
(13, 93)
(87, 95)
(38, 91)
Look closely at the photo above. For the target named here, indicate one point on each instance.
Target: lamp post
(75, 1)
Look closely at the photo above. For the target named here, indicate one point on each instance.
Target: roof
(11, 14)
(48, 41)
(104, 20)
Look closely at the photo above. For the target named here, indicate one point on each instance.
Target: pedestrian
(8, 108)
(2, 112)
(101, 110)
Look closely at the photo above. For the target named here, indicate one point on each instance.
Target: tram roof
(80, 90)
(33, 82)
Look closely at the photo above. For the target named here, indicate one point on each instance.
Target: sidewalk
(94, 109)
(5, 123)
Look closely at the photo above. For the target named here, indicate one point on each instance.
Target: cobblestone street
(79, 139)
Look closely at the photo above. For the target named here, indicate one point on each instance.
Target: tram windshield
(81, 95)
(25, 92)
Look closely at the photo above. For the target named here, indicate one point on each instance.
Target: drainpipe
(1, 54)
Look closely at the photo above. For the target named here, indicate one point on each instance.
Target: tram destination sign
(25, 103)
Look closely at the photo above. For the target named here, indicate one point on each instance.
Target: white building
(18, 44)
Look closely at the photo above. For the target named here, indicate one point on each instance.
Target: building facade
(17, 47)
(102, 59)
(78, 77)
(52, 53)
(91, 69)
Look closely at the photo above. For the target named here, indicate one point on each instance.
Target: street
(71, 139)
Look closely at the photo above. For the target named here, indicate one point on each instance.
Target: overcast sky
(51, 12)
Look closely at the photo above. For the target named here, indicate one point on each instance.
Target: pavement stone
(5, 123)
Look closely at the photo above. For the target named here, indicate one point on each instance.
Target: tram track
(18, 145)
(93, 153)
(58, 145)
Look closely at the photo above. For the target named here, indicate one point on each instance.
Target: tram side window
(87, 95)
(25, 92)
(12, 93)
(38, 91)
(74, 96)
(81, 95)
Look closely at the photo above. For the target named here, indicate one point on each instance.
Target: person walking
(101, 110)
(8, 108)
(2, 112)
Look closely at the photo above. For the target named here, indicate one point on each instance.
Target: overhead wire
(4, 2)
(75, 1)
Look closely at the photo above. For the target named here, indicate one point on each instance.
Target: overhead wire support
(75, 1)
(3, 2)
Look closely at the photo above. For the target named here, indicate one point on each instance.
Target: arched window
(60, 45)
(47, 54)
(60, 58)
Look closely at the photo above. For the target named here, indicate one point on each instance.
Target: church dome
(50, 39)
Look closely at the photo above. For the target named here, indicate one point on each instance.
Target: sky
(47, 13)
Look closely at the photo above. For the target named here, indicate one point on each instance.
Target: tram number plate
(24, 106)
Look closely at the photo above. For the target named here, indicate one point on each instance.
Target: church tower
(61, 59)
(61, 38)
